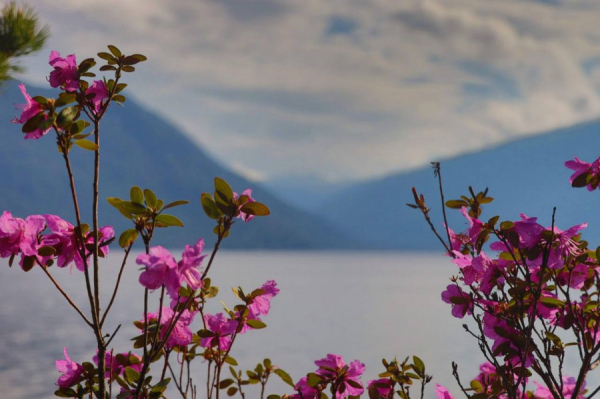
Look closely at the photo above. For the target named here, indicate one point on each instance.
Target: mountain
(304, 192)
(527, 175)
(139, 148)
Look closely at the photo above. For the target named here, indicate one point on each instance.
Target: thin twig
(59, 288)
(112, 299)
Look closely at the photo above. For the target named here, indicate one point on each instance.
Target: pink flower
(21, 236)
(11, 232)
(384, 387)
(244, 216)
(461, 302)
(442, 392)
(100, 91)
(568, 389)
(115, 365)
(188, 265)
(580, 167)
(28, 110)
(475, 225)
(65, 71)
(304, 390)
(64, 239)
(162, 269)
(345, 378)
(261, 304)
(181, 334)
(222, 328)
(71, 371)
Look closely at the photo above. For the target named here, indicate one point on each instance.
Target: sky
(344, 90)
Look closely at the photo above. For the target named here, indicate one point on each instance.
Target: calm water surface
(360, 305)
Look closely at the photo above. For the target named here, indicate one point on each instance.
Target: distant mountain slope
(140, 148)
(527, 175)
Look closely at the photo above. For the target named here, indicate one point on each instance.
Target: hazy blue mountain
(140, 148)
(527, 175)
(304, 192)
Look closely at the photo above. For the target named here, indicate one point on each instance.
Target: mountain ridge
(139, 148)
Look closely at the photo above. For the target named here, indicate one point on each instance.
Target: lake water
(362, 305)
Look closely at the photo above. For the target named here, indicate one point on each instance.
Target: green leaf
(131, 375)
(67, 115)
(33, 123)
(128, 68)
(119, 98)
(552, 302)
(86, 144)
(106, 56)
(225, 383)
(77, 127)
(273, 397)
(116, 52)
(232, 391)
(174, 204)
(456, 204)
(137, 195)
(150, 197)
(40, 100)
(285, 377)
(230, 360)
(65, 393)
(582, 180)
(128, 237)
(313, 380)
(418, 366)
(167, 221)
(209, 206)
(120, 87)
(256, 209)
(225, 191)
(205, 333)
(46, 251)
(107, 68)
(476, 386)
(65, 99)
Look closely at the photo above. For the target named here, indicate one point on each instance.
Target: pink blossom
(461, 302)
(28, 110)
(64, 239)
(384, 387)
(65, 71)
(475, 225)
(181, 334)
(115, 365)
(333, 367)
(244, 216)
(100, 91)
(442, 392)
(161, 269)
(71, 371)
(188, 265)
(304, 390)
(21, 236)
(569, 383)
(580, 167)
(222, 328)
(262, 303)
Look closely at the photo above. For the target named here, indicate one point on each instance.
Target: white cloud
(263, 85)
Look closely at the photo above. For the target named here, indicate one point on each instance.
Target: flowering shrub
(522, 284)
(532, 301)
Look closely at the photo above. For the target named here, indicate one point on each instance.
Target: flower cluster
(24, 237)
(586, 174)
(342, 379)
(66, 76)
